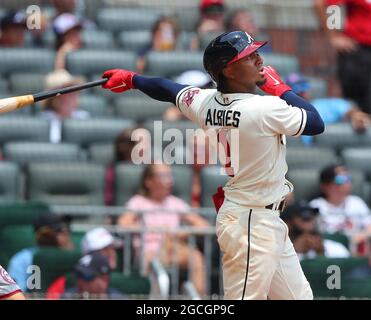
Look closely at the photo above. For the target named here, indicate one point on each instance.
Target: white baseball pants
(259, 260)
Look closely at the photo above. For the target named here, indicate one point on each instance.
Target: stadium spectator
(353, 47)
(212, 13)
(93, 278)
(196, 78)
(165, 36)
(302, 223)
(102, 241)
(340, 211)
(362, 272)
(163, 210)
(56, 109)
(331, 109)
(12, 30)
(50, 231)
(241, 19)
(67, 29)
(125, 142)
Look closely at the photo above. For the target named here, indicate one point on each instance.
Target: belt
(280, 206)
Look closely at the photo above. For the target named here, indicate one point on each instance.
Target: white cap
(65, 22)
(97, 239)
(61, 78)
(195, 78)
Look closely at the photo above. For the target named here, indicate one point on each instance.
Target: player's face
(247, 72)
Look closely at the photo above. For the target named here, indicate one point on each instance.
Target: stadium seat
(88, 62)
(358, 159)
(134, 40)
(130, 284)
(9, 175)
(211, 179)
(318, 87)
(23, 129)
(96, 105)
(102, 153)
(139, 107)
(26, 60)
(30, 152)
(66, 183)
(170, 64)
(26, 83)
(4, 88)
(14, 238)
(341, 135)
(86, 132)
(317, 158)
(307, 186)
(54, 262)
(306, 183)
(98, 39)
(284, 64)
(127, 179)
(317, 273)
(118, 19)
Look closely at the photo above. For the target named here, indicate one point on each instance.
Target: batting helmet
(227, 48)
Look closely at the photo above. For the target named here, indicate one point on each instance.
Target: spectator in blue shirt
(331, 109)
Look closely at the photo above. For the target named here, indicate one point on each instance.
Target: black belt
(280, 207)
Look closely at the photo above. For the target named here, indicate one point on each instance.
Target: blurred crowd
(334, 224)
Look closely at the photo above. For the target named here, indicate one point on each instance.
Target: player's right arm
(303, 116)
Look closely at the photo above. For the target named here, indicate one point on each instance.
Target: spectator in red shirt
(353, 46)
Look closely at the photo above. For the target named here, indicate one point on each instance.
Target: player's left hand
(273, 85)
(120, 80)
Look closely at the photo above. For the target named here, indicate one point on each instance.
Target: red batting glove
(274, 84)
(120, 80)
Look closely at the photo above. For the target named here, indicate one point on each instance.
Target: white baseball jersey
(7, 284)
(258, 169)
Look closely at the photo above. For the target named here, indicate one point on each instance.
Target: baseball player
(259, 260)
(8, 288)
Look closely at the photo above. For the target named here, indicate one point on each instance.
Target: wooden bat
(13, 103)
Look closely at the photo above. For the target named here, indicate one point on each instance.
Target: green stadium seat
(96, 105)
(9, 176)
(23, 129)
(97, 39)
(131, 284)
(317, 158)
(134, 40)
(284, 64)
(338, 237)
(211, 179)
(118, 19)
(341, 135)
(26, 60)
(127, 179)
(29, 152)
(54, 262)
(316, 272)
(14, 238)
(102, 153)
(171, 64)
(21, 213)
(26, 83)
(86, 132)
(88, 62)
(358, 158)
(66, 183)
(140, 107)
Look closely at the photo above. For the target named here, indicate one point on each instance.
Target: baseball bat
(13, 103)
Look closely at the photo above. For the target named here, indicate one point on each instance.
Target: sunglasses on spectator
(342, 179)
